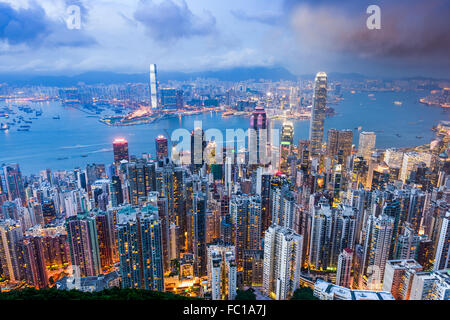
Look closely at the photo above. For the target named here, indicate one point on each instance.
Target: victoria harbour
(77, 139)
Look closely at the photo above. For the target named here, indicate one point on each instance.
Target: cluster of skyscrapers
(351, 223)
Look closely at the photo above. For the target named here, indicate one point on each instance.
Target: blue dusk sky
(196, 35)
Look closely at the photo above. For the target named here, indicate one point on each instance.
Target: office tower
(442, 257)
(366, 144)
(282, 262)
(398, 277)
(287, 138)
(266, 215)
(11, 235)
(162, 149)
(393, 158)
(339, 140)
(120, 150)
(153, 87)
(48, 211)
(318, 113)
(116, 192)
(83, 244)
(258, 137)
(198, 145)
(411, 161)
(253, 268)
(34, 260)
(344, 268)
(14, 183)
(222, 273)
(377, 248)
(140, 251)
(171, 99)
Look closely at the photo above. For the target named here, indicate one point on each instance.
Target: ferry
(227, 114)
(56, 117)
(398, 103)
(23, 129)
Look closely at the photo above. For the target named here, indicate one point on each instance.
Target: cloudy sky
(196, 35)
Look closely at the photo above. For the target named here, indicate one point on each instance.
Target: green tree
(304, 293)
(245, 295)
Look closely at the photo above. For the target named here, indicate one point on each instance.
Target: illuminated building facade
(318, 113)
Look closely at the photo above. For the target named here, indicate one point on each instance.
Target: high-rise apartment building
(344, 268)
(140, 249)
(222, 275)
(282, 262)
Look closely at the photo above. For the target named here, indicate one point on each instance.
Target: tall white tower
(153, 87)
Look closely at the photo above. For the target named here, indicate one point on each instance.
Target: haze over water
(75, 134)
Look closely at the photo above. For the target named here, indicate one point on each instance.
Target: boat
(62, 158)
(4, 127)
(398, 103)
(84, 155)
(25, 126)
(419, 137)
(398, 135)
(23, 129)
(56, 117)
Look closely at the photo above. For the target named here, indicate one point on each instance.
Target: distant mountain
(95, 77)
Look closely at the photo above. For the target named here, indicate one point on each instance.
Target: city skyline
(211, 150)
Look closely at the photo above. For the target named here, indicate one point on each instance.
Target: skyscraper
(153, 87)
(339, 140)
(162, 149)
(318, 113)
(11, 235)
(14, 183)
(120, 149)
(398, 277)
(140, 250)
(258, 136)
(366, 144)
(282, 262)
(83, 244)
(48, 211)
(222, 274)
(377, 247)
(442, 258)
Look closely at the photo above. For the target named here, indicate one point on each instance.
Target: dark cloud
(265, 18)
(23, 25)
(411, 31)
(169, 21)
(33, 27)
